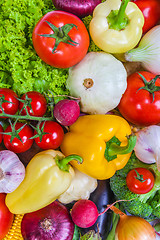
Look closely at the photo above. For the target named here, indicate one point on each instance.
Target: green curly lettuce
(20, 67)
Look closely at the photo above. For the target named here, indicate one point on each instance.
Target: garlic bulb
(81, 187)
(12, 171)
(147, 148)
(99, 80)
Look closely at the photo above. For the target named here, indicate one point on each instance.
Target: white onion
(12, 171)
(147, 148)
(148, 51)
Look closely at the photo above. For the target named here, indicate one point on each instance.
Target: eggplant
(102, 196)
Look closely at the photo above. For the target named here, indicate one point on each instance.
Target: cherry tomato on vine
(140, 180)
(35, 104)
(140, 103)
(8, 100)
(52, 135)
(151, 12)
(6, 217)
(21, 135)
(60, 39)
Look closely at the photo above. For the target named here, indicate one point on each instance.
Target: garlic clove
(12, 171)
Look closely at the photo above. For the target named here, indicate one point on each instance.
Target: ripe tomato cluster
(19, 135)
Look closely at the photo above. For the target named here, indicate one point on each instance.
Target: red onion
(51, 222)
(80, 8)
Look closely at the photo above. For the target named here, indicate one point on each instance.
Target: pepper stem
(118, 19)
(63, 163)
(115, 149)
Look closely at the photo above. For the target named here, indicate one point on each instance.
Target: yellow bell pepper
(48, 175)
(92, 137)
(116, 26)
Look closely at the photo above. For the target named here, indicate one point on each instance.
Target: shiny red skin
(138, 107)
(66, 111)
(11, 96)
(135, 185)
(1, 131)
(6, 217)
(84, 213)
(151, 12)
(38, 104)
(17, 145)
(53, 137)
(65, 55)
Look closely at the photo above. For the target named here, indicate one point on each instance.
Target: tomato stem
(139, 176)
(40, 131)
(150, 86)
(60, 34)
(26, 117)
(26, 103)
(14, 133)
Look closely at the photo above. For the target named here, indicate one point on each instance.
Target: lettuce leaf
(20, 67)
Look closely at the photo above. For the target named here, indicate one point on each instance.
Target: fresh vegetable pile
(79, 119)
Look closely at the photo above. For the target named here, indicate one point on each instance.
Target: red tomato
(22, 144)
(10, 104)
(138, 105)
(6, 217)
(140, 180)
(151, 12)
(36, 104)
(52, 135)
(1, 131)
(68, 28)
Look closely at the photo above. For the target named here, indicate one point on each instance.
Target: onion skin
(80, 8)
(48, 223)
(135, 228)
